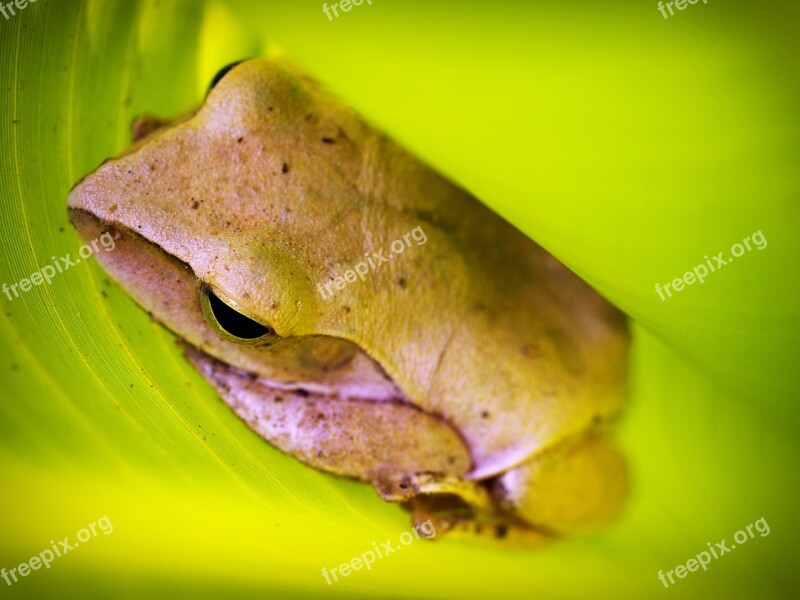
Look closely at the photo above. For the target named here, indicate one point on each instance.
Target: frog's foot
(461, 508)
(576, 487)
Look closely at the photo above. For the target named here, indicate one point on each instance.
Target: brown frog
(466, 374)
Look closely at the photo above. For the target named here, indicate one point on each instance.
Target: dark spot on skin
(269, 108)
(113, 207)
(14, 121)
(239, 140)
(14, 366)
(500, 531)
(327, 140)
(403, 486)
(278, 399)
(273, 304)
(530, 350)
(302, 393)
(485, 414)
(347, 309)
(195, 204)
(103, 292)
(320, 416)
(401, 282)
(597, 419)
(285, 168)
(61, 229)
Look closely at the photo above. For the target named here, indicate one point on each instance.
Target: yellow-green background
(629, 145)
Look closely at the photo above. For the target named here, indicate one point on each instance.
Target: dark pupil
(234, 322)
(221, 73)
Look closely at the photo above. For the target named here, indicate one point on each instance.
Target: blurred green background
(628, 145)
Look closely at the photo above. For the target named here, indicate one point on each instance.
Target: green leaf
(629, 145)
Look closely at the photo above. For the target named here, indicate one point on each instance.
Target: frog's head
(294, 248)
(229, 219)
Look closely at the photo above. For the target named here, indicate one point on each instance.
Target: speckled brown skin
(477, 345)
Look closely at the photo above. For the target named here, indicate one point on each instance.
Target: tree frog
(470, 377)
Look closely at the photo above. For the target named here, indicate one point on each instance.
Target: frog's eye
(221, 73)
(230, 321)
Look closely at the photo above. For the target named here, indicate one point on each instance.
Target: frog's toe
(461, 508)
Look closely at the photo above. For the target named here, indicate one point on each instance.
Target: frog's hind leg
(576, 487)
